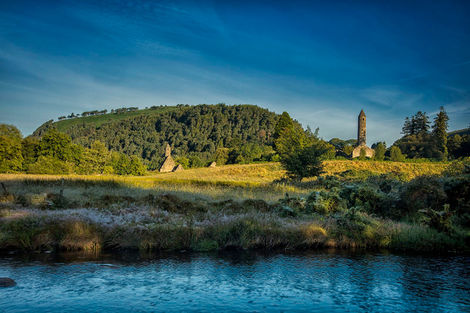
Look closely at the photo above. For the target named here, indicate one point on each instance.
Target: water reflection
(236, 281)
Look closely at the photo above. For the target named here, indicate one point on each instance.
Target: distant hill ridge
(191, 130)
(460, 132)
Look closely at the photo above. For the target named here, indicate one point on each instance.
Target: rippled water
(318, 281)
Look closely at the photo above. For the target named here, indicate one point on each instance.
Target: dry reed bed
(149, 229)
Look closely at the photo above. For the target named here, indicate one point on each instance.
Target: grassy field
(238, 182)
(256, 174)
(241, 206)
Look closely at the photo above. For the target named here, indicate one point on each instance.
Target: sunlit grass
(248, 181)
(198, 209)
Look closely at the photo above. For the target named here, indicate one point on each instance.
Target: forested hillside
(234, 134)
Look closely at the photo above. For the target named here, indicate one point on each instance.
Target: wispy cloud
(319, 63)
(390, 97)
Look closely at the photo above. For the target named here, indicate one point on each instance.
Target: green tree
(136, 167)
(454, 144)
(50, 165)
(348, 149)
(292, 139)
(191, 130)
(439, 134)
(302, 152)
(56, 144)
(307, 161)
(11, 158)
(396, 155)
(184, 161)
(284, 122)
(380, 149)
(124, 165)
(221, 155)
(407, 128)
(29, 149)
(195, 161)
(420, 123)
(121, 164)
(94, 160)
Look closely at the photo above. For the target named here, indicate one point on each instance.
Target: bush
(326, 202)
(422, 193)
(369, 198)
(458, 167)
(439, 220)
(356, 173)
(362, 229)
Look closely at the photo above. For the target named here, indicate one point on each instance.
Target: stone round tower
(361, 128)
(361, 138)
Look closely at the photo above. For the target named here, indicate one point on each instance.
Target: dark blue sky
(320, 61)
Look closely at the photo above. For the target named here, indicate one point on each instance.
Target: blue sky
(320, 61)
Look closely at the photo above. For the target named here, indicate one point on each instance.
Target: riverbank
(154, 230)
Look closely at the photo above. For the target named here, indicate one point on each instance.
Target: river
(323, 281)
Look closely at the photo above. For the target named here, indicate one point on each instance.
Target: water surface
(320, 281)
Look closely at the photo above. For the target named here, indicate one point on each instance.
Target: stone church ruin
(169, 165)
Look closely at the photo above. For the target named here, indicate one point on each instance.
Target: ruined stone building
(361, 138)
(169, 164)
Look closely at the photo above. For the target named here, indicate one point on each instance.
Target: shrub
(356, 173)
(439, 220)
(328, 181)
(325, 202)
(458, 167)
(369, 198)
(422, 193)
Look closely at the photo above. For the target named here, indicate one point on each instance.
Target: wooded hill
(197, 134)
(460, 132)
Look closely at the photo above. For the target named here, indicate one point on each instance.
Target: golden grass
(410, 170)
(253, 174)
(248, 174)
(246, 181)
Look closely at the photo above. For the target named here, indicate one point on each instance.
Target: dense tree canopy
(11, 158)
(122, 141)
(54, 153)
(419, 142)
(195, 132)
